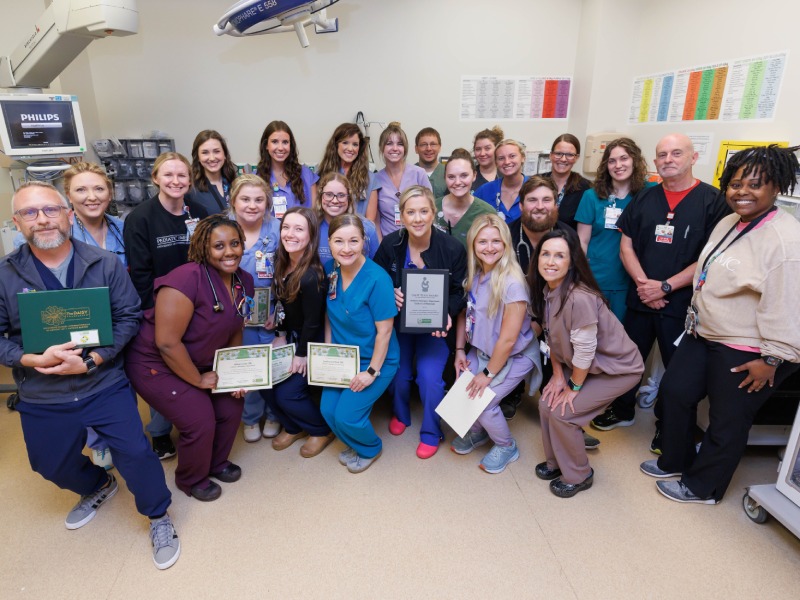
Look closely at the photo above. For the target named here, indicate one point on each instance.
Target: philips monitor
(40, 125)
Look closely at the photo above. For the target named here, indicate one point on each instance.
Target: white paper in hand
(458, 409)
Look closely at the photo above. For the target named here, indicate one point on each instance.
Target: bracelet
(574, 386)
(462, 349)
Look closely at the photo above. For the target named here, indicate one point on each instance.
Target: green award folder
(60, 316)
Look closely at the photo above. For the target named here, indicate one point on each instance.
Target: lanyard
(716, 252)
(112, 228)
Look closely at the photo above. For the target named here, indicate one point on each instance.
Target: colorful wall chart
(735, 90)
(651, 96)
(515, 98)
(754, 87)
(697, 95)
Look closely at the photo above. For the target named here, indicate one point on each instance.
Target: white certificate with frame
(242, 368)
(426, 292)
(281, 363)
(459, 410)
(332, 365)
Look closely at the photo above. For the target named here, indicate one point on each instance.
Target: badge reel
(665, 233)
(397, 220)
(332, 279)
(191, 225)
(279, 204)
(470, 325)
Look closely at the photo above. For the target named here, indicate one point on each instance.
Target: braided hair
(201, 238)
(774, 164)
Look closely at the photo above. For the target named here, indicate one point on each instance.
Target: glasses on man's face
(429, 145)
(29, 214)
(330, 197)
(567, 155)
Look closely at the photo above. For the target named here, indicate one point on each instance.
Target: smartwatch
(91, 366)
(574, 386)
(772, 361)
(372, 371)
(666, 287)
(488, 373)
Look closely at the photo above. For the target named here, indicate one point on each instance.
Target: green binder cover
(60, 316)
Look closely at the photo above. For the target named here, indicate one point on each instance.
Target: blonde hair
(86, 167)
(164, 157)
(506, 268)
(393, 128)
(413, 192)
(509, 142)
(255, 181)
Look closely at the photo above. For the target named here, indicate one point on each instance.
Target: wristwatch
(488, 373)
(772, 361)
(373, 372)
(574, 386)
(91, 366)
(666, 287)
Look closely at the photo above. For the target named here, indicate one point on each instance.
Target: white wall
(403, 61)
(392, 60)
(641, 37)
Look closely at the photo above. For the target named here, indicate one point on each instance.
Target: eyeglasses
(567, 155)
(29, 214)
(330, 196)
(429, 145)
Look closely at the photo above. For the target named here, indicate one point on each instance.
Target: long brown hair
(288, 287)
(604, 184)
(358, 175)
(291, 166)
(198, 173)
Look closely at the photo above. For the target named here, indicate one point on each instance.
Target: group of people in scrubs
(332, 245)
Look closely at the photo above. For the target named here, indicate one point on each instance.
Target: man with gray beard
(66, 389)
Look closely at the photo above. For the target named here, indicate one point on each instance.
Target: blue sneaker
(499, 457)
(469, 442)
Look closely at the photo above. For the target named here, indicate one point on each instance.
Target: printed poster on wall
(698, 92)
(736, 90)
(754, 86)
(514, 98)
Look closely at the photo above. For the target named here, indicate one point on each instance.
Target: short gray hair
(41, 184)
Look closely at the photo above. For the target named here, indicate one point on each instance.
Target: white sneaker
(102, 458)
(251, 433)
(271, 428)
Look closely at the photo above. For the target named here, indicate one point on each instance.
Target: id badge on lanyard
(332, 279)
(665, 233)
(397, 220)
(500, 213)
(470, 325)
(611, 215)
(191, 225)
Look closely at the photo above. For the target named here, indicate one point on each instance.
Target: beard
(539, 225)
(48, 243)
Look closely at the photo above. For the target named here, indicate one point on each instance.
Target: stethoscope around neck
(236, 284)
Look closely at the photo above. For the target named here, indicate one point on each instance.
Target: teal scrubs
(352, 315)
(603, 252)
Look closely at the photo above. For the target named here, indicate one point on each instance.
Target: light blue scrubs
(352, 314)
(268, 239)
(309, 179)
(114, 239)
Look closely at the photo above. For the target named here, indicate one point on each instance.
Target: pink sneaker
(396, 427)
(426, 450)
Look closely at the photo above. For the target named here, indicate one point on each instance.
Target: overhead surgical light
(256, 17)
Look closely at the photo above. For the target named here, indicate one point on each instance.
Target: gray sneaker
(347, 456)
(469, 442)
(650, 467)
(499, 457)
(86, 508)
(677, 491)
(359, 463)
(166, 545)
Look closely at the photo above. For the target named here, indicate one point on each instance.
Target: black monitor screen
(39, 124)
